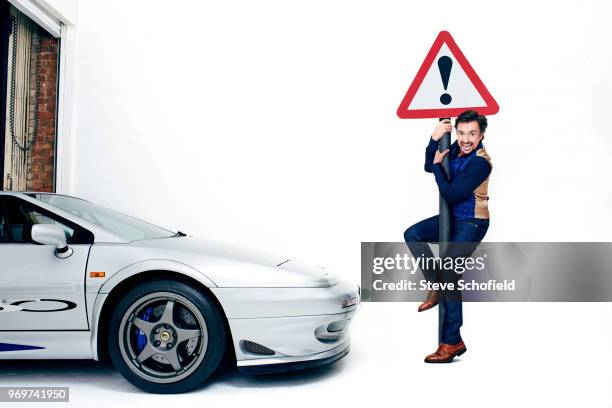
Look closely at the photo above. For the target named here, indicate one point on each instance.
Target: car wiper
(179, 234)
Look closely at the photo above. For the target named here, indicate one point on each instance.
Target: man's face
(468, 136)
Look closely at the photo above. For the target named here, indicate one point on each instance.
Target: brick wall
(41, 171)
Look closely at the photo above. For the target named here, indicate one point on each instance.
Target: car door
(38, 290)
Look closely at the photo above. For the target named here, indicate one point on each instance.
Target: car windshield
(124, 226)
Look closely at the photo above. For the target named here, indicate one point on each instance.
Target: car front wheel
(166, 337)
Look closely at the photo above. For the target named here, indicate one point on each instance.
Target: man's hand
(440, 156)
(442, 128)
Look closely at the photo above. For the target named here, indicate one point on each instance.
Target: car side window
(4, 232)
(21, 216)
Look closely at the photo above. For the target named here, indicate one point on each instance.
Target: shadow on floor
(102, 374)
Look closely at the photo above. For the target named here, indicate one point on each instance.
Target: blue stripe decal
(17, 347)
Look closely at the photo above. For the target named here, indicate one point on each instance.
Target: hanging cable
(34, 135)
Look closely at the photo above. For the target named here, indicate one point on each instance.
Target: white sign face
(445, 85)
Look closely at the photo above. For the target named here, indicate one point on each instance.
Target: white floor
(519, 354)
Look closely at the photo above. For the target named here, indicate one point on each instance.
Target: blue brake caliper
(141, 339)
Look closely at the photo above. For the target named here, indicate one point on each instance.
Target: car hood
(230, 265)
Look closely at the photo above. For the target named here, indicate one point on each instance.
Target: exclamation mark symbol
(445, 64)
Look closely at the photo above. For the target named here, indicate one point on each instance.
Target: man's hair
(470, 116)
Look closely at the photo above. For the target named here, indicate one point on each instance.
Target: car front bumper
(286, 329)
(287, 364)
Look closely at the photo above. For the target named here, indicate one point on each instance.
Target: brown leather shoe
(446, 353)
(431, 301)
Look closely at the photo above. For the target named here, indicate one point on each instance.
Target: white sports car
(80, 281)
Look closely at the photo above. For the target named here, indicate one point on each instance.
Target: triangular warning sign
(445, 85)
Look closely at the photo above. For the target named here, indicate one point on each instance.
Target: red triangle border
(403, 112)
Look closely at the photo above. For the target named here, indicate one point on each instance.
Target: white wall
(272, 123)
(66, 11)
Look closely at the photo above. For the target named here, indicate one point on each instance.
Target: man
(465, 191)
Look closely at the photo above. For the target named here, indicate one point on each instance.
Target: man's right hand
(443, 127)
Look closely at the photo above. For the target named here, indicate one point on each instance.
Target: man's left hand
(440, 156)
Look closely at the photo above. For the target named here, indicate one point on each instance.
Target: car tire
(166, 337)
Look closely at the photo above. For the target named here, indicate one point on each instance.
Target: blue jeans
(469, 233)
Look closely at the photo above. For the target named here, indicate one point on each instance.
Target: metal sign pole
(444, 223)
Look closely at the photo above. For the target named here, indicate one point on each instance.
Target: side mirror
(49, 234)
